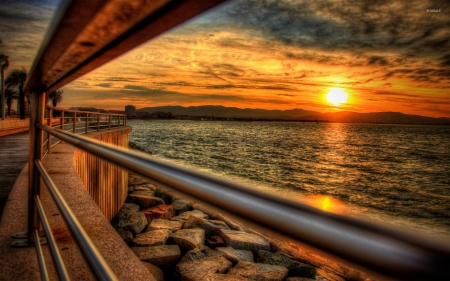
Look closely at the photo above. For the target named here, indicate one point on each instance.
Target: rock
(296, 269)
(126, 235)
(146, 192)
(211, 227)
(136, 180)
(145, 187)
(152, 238)
(236, 256)
(259, 271)
(133, 222)
(328, 275)
(202, 253)
(299, 279)
(164, 224)
(244, 241)
(159, 212)
(232, 224)
(130, 207)
(199, 263)
(225, 277)
(144, 201)
(214, 242)
(354, 276)
(154, 270)
(169, 197)
(185, 216)
(181, 206)
(188, 239)
(163, 257)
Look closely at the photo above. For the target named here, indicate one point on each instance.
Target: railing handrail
(381, 249)
(85, 112)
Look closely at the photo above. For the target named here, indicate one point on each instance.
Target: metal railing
(79, 122)
(63, 58)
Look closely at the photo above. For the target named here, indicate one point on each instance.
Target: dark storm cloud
(351, 25)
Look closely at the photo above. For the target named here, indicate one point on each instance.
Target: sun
(337, 96)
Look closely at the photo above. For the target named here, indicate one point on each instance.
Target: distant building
(130, 111)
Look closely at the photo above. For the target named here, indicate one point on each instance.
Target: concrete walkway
(13, 157)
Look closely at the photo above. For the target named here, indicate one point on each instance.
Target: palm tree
(4, 63)
(17, 78)
(10, 95)
(56, 97)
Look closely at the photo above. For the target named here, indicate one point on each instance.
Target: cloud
(378, 60)
(104, 85)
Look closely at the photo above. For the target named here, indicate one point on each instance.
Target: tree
(4, 63)
(17, 77)
(10, 95)
(56, 97)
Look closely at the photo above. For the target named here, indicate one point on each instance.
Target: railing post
(62, 120)
(109, 122)
(50, 124)
(35, 152)
(98, 122)
(74, 122)
(86, 128)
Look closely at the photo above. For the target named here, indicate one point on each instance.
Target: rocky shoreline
(177, 239)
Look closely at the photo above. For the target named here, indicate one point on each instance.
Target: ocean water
(398, 174)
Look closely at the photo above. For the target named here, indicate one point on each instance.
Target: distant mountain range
(300, 114)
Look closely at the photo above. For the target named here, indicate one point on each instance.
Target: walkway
(13, 157)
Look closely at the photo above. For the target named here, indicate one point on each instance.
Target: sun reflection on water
(327, 203)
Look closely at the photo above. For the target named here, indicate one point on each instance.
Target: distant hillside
(300, 114)
(222, 111)
(378, 117)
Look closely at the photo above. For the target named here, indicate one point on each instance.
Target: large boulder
(159, 212)
(200, 263)
(236, 256)
(164, 224)
(188, 239)
(155, 271)
(181, 205)
(241, 240)
(259, 271)
(135, 222)
(296, 269)
(152, 238)
(185, 216)
(144, 201)
(211, 227)
(163, 257)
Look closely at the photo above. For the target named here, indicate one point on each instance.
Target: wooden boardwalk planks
(13, 157)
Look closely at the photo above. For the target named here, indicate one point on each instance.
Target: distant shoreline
(282, 120)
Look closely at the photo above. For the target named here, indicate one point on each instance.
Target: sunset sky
(280, 54)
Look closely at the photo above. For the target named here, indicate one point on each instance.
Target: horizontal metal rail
(90, 251)
(386, 251)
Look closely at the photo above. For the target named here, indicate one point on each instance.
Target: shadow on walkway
(13, 157)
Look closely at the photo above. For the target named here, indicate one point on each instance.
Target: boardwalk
(13, 157)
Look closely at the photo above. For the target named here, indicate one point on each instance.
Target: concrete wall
(106, 183)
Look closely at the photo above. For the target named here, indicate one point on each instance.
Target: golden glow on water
(327, 203)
